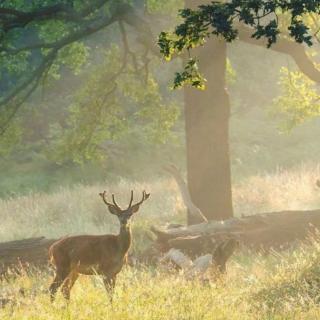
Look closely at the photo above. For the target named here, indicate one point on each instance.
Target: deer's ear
(135, 208)
(113, 210)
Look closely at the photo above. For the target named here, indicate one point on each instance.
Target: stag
(93, 254)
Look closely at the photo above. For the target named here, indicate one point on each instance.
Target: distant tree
(41, 41)
(206, 28)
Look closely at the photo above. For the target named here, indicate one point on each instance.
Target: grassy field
(257, 287)
(275, 286)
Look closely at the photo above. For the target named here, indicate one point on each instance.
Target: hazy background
(258, 145)
(51, 176)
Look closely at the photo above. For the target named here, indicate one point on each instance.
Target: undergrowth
(282, 285)
(277, 286)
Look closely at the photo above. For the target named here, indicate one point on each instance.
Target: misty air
(159, 159)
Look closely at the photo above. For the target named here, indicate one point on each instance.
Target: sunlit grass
(293, 189)
(139, 294)
(80, 209)
(275, 286)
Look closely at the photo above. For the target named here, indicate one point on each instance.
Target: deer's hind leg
(109, 283)
(68, 284)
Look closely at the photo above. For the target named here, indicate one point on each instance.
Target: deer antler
(114, 204)
(103, 196)
(193, 209)
(145, 196)
(131, 200)
(134, 208)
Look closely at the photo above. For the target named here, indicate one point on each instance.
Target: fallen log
(19, 254)
(267, 230)
(261, 231)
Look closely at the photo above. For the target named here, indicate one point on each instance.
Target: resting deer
(93, 254)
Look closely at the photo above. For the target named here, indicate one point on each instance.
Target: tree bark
(207, 134)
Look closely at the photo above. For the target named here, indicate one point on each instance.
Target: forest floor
(275, 286)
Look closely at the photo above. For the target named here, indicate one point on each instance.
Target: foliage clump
(299, 101)
(227, 19)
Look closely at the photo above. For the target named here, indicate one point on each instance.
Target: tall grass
(293, 189)
(80, 209)
(256, 287)
(277, 286)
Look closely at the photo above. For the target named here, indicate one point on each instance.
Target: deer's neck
(124, 238)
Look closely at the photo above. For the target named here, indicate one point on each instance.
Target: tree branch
(35, 74)
(34, 79)
(119, 13)
(142, 26)
(193, 209)
(48, 60)
(291, 48)
(11, 18)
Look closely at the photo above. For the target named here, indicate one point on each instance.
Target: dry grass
(80, 210)
(256, 287)
(283, 190)
(277, 286)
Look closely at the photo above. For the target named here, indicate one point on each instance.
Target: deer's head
(123, 215)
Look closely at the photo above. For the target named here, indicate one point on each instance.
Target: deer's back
(84, 250)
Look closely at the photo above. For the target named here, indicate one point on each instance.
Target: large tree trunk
(207, 134)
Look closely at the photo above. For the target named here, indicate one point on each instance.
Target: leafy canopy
(45, 42)
(225, 19)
